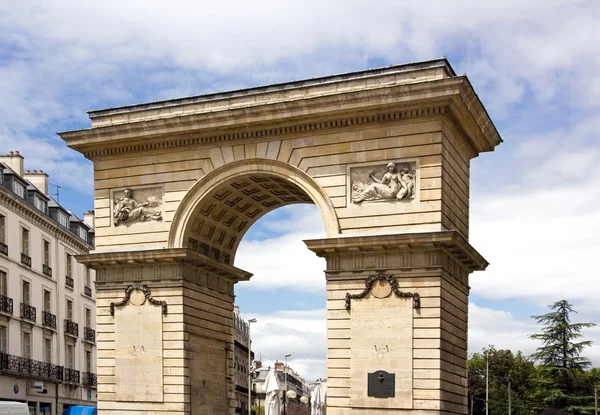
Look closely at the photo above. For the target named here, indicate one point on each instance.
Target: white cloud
(289, 264)
(502, 330)
(301, 333)
(61, 57)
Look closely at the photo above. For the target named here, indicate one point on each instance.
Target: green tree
(561, 382)
(559, 335)
(502, 363)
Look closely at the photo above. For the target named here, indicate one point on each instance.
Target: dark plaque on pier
(381, 384)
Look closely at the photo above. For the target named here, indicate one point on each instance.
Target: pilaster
(425, 330)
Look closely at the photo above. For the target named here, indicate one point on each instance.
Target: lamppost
(252, 320)
(286, 384)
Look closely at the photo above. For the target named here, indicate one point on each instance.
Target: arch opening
(217, 212)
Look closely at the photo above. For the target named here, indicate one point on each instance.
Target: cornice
(450, 242)
(29, 213)
(388, 103)
(103, 260)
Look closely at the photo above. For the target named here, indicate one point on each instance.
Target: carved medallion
(391, 280)
(391, 182)
(139, 205)
(381, 289)
(136, 300)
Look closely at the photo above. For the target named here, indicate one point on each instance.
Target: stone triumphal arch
(384, 154)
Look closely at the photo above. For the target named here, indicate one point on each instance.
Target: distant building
(295, 382)
(241, 362)
(47, 299)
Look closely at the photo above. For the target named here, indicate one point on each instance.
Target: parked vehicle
(14, 408)
(81, 410)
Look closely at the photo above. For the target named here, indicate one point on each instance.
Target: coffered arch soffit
(220, 208)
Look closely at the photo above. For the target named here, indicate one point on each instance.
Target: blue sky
(535, 65)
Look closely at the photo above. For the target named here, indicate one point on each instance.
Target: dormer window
(82, 233)
(63, 220)
(40, 204)
(19, 189)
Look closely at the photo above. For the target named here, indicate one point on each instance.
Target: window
(26, 345)
(3, 339)
(63, 219)
(2, 229)
(48, 350)
(70, 356)
(46, 248)
(88, 279)
(40, 204)
(88, 361)
(47, 301)
(69, 310)
(25, 241)
(88, 317)
(25, 292)
(82, 233)
(19, 189)
(3, 283)
(69, 265)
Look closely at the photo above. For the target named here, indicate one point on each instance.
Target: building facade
(295, 382)
(242, 344)
(47, 299)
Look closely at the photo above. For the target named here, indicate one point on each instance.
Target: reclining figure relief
(128, 210)
(394, 184)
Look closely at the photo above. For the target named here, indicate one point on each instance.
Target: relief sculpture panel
(392, 182)
(139, 205)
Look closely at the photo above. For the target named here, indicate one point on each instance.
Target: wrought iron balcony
(3, 248)
(89, 379)
(71, 328)
(69, 281)
(87, 291)
(6, 304)
(71, 375)
(29, 368)
(48, 320)
(47, 270)
(89, 334)
(25, 259)
(28, 312)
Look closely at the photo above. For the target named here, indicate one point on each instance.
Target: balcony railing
(71, 328)
(6, 304)
(89, 334)
(3, 248)
(25, 259)
(69, 281)
(28, 312)
(47, 270)
(87, 291)
(25, 367)
(71, 375)
(89, 379)
(48, 320)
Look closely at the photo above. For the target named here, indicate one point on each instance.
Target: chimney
(236, 310)
(13, 160)
(279, 366)
(88, 219)
(258, 364)
(37, 178)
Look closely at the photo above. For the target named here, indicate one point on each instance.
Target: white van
(13, 408)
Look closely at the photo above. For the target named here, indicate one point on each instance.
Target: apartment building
(241, 345)
(47, 299)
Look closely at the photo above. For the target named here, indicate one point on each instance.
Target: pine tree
(559, 335)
